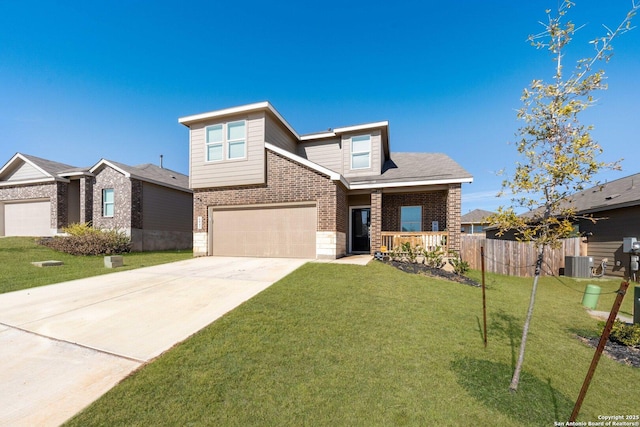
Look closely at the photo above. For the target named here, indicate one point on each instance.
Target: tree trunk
(525, 330)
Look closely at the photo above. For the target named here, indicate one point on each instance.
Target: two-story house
(262, 189)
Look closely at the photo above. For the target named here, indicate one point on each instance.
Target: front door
(360, 224)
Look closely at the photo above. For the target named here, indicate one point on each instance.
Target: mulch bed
(408, 267)
(616, 351)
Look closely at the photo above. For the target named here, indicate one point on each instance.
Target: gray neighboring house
(474, 222)
(39, 197)
(616, 206)
(262, 189)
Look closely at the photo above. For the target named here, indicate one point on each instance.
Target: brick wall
(287, 181)
(434, 208)
(454, 202)
(376, 220)
(107, 177)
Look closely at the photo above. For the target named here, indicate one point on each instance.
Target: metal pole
(484, 297)
(603, 341)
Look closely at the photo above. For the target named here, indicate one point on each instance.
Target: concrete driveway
(62, 346)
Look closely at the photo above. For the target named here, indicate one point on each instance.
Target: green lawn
(17, 253)
(350, 345)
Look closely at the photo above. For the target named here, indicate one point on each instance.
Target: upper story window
(411, 218)
(232, 135)
(361, 152)
(108, 202)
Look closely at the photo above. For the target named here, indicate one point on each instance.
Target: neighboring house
(475, 221)
(261, 189)
(615, 206)
(151, 204)
(40, 197)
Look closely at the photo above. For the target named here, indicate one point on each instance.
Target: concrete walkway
(62, 346)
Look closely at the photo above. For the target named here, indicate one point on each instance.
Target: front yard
(350, 345)
(17, 253)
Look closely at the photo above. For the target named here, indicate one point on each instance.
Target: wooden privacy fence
(516, 258)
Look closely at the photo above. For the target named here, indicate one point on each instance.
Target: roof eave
(372, 185)
(258, 106)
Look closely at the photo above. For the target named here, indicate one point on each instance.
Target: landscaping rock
(50, 263)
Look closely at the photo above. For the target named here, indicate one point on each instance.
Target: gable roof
(476, 216)
(623, 192)
(42, 170)
(148, 172)
(411, 169)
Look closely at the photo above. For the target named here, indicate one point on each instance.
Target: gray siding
(25, 172)
(166, 209)
(376, 155)
(607, 234)
(203, 174)
(325, 152)
(278, 135)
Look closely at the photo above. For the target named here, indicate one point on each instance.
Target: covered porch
(383, 219)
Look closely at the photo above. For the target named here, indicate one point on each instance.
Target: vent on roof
(613, 196)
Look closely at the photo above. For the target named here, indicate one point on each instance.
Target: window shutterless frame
(108, 202)
(411, 218)
(361, 152)
(226, 141)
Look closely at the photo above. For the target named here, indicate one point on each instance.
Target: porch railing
(428, 240)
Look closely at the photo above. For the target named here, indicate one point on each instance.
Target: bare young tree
(560, 157)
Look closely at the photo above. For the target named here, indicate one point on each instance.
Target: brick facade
(434, 208)
(377, 220)
(454, 202)
(287, 182)
(107, 178)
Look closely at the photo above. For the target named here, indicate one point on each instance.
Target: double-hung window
(361, 152)
(411, 218)
(108, 202)
(226, 141)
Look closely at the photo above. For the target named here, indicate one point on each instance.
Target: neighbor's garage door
(279, 231)
(27, 219)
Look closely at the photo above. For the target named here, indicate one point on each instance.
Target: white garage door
(279, 231)
(27, 219)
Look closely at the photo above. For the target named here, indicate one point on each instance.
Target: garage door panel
(27, 219)
(283, 231)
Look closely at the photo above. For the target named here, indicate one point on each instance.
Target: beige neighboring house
(262, 189)
(475, 221)
(39, 197)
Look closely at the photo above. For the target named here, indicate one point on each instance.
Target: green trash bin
(591, 296)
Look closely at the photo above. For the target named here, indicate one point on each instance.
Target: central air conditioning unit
(578, 266)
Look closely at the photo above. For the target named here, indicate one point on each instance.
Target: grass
(17, 253)
(351, 345)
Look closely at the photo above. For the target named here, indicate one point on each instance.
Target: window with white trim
(226, 141)
(108, 202)
(361, 152)
(411, 218)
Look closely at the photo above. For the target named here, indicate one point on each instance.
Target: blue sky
(81, 81)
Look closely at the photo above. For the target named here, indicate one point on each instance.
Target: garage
(279, 231)
(27, 218)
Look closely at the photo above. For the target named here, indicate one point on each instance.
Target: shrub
(434, 258)
(624, 333)
(460, 267)
(81, 229)
(84, 240)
